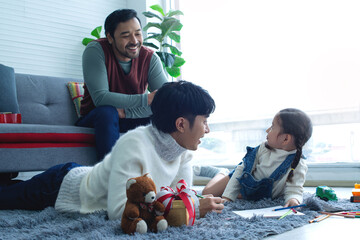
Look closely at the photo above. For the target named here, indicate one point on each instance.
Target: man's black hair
(118, 16)
(179, 99)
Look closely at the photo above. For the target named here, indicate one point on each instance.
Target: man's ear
(109, 38)
(180, 124)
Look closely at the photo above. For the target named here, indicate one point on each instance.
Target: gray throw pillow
(8, 97)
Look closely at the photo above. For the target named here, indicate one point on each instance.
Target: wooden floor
(331, 228)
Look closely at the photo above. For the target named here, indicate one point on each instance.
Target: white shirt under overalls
(266, 162)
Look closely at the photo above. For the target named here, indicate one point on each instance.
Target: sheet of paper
(266, 212)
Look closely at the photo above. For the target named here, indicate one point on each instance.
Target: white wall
(43, 37)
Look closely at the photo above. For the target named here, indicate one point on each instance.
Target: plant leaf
(173, 49)
(96, 32)
(174, 36)
(151, 15)
(178, 62)
(167, 58)
(158, 8)
(86, 41)
(171, 24)
(156, 36)
(173, 13)
(167, 27)
(148, 44)
(173, 71)
(177, 26)
(150, 24)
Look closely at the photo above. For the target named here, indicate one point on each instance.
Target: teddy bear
(142, 210)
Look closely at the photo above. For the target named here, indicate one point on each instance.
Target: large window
(257, 57)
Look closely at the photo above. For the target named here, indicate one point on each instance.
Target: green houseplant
(96, 33)
(167, 26)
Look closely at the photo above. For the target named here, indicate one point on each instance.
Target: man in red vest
(118, 72)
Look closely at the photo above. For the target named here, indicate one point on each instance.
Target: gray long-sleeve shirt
(96, 80)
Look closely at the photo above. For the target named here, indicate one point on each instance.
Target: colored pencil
(287, 213)
(341, 215)
(319, 218)
(350, 213)
(278, 209)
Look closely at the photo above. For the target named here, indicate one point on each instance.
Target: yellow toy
(355, 193)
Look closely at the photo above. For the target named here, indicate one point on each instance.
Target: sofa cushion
(76, 90)
(8, 97)
(45, 100)
(41, 136)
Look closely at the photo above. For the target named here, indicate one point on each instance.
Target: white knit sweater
(266, 162)
(140, 151)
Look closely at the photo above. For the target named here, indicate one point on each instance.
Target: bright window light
(258, 57)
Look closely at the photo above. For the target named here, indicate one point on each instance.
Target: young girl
(273, 169)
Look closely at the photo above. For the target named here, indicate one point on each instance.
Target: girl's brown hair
(298, 124)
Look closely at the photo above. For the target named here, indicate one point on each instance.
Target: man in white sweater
(179, 120)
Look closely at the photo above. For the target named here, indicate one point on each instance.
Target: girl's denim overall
(252, 189)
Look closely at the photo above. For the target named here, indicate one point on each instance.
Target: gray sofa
(47, 135)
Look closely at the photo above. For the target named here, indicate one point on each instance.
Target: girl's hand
(292, 202)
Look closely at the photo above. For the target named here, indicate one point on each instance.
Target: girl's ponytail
(296, 123)
(294, 163)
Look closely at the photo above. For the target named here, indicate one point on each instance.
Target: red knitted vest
(135, 82)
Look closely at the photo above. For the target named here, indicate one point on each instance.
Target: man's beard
(129, 55)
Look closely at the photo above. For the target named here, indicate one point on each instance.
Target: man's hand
(151, 97)
(227, 199)
(121, 112)
(208, 204)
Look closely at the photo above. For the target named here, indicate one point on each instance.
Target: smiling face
(189, 137)
(276, 137)
(127, 40)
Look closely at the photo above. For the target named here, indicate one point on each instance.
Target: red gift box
(10, 118)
